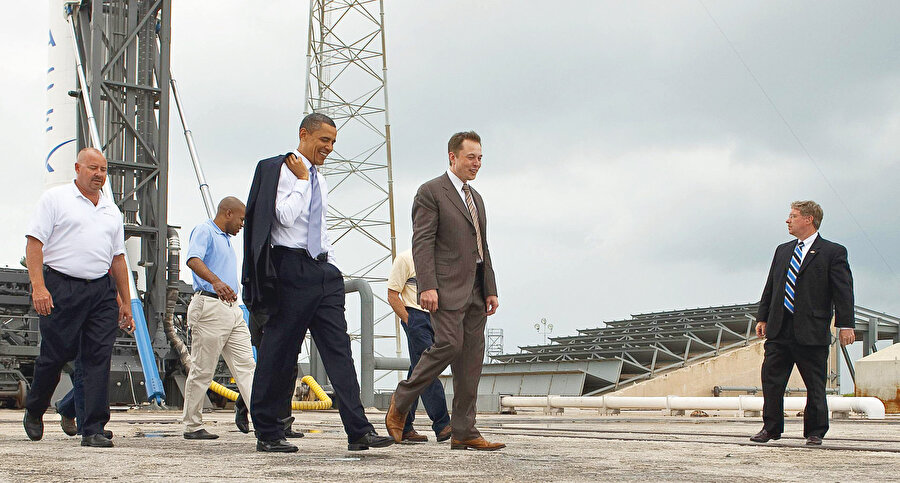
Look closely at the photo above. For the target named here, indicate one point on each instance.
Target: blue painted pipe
(247, 321)
(152, 383)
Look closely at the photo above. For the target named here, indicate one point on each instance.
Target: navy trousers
(419, 337)
(310, 296)
(72, 404)
(82, 327)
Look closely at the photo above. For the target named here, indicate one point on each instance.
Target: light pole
(547, 328)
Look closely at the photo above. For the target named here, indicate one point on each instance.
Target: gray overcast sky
(631, 162)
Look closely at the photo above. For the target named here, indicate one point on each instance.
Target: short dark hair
(456, 140)
(313, 121)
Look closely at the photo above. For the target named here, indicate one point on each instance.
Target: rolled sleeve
(198, 246)
(41, 226)
(118, 244)
(399, 275)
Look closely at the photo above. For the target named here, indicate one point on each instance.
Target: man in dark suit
(809, 281)
(456, 285)
(292, 281)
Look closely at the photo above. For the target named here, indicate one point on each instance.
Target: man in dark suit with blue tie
(808, 283)
(291, 280)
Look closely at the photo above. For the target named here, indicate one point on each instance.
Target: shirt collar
(303, 158)
(216, 228)
(77, 192)
(457, 183)
(810, 239)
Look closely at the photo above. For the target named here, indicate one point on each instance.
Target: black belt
(322, 257)
(50, 269)
(208, 293)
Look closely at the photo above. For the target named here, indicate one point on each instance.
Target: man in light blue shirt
(215, 317)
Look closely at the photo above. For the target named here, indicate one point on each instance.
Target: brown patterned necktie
(474, 212)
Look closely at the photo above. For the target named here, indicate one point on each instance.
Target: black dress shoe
(241, 419)
(370, 440)
(288, 431)
(764, 436)
(34, 426)
(814, 441)
(96, 441)
(200, 434)
(275, 446)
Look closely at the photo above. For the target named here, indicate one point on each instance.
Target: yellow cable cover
(324, 402)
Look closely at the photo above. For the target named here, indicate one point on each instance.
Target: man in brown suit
(456, 285)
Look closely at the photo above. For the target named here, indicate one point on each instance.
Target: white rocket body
(62, 109)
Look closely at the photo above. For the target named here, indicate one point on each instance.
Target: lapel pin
(812, 251)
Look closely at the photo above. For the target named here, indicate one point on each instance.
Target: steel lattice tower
(347, 80)
(125, 45)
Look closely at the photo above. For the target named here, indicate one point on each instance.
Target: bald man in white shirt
(75, 241)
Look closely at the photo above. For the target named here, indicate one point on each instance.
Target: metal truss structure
(125, 45)
(494, 342)
(347, 80)
(648, 344)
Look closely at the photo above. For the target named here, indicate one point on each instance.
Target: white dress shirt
(292, 210)
(807, 243)
(80, 239)
(458, 184)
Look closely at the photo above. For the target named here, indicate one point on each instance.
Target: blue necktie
(791, 282)
(314, 234)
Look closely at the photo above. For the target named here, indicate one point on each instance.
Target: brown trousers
(458, 343)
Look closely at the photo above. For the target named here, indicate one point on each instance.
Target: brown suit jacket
(443, 245)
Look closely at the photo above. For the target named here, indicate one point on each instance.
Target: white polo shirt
(80, 239)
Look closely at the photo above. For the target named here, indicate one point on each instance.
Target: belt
(50, 269)
(208, 293)
(322, 257)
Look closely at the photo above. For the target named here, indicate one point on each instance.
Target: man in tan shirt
(402, 294)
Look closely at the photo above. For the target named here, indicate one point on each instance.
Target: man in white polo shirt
(215, 317)
(75, 241)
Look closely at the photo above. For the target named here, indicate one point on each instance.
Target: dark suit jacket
(824, 283)
(444, 249)
(258, 276)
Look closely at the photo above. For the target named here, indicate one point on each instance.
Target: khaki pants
(217, 327)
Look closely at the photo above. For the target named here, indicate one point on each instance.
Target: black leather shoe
(814, 441)
(96, 441)
(370, 440)
(275, 446)
(764, 436)
(34, 426)
(241, 419)
(288, 431)
(200, 434)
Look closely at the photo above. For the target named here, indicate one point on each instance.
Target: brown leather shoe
(412, 436)
(394, 421)
(478, 443)
(445, 434)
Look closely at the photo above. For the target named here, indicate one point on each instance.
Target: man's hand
(847, 336)
(429, 300)
(41, 299)
(126, 322)
(224, 291)
(491, 303)
(297, 167)
(761, 329)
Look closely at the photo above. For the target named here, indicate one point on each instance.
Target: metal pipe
(153, 384)
(367, 338)
(755, 389)
(195, 159)
(872, 407)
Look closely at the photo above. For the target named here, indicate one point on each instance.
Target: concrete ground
(574, 446)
